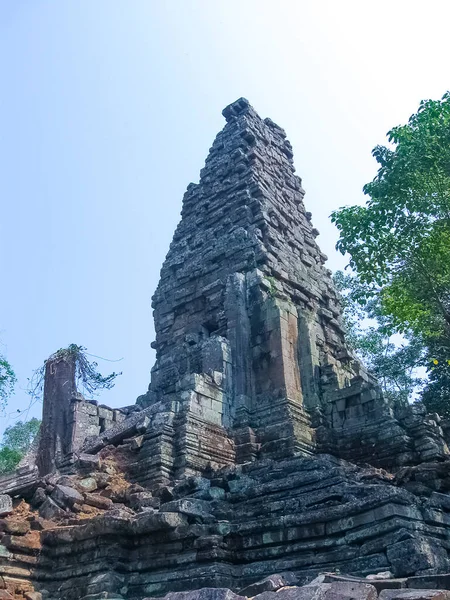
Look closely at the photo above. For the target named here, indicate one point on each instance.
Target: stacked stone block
(304, 515)
(88, 419)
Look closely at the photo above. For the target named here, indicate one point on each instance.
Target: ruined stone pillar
(56, 435)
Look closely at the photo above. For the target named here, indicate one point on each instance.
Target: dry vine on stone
(87, 377)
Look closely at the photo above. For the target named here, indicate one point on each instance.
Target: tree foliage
(393, 359)
(21, 435)
(9, 459)
(16, 442)
(399, 242)
(436, 393)
(7, 381)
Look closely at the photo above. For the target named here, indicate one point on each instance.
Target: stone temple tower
(251, 359)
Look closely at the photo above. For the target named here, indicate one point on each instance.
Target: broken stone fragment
(430, 582)
(66, 496)
(102, 479)
(379, 584)
(6, 506)
(38, 498)
(50, 510)
(339, 590)
(164, 493)
(88, 484)
(33, 596)
(382, 575)
(137, 442)
(120, 495)
(269, 584)
(140, 500)
(65, 480)
(319, 579)
(121, 511)
(98, 501)
(414, 595)
(349, 590)
(192, 507)
(105, 585)
(414, 555)
(203, 594)
(17, 527)
(136, 488)
(216, 493)
(91, 461)
(19, 543)
(109, 469)
(4, 552)
(38, 524)
(51, 479)
(190, 486)
(147, 522)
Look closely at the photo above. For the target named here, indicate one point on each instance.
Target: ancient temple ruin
(262, 444)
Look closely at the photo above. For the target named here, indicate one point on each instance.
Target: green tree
(399, 242)
(393, 359)
(9, 459)
(7, 381)
(21, 435)
(16, 442)
(436, 393)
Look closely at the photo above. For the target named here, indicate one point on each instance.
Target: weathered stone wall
(89, 420)
(304, 515)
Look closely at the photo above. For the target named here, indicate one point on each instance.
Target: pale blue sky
(108, 109)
